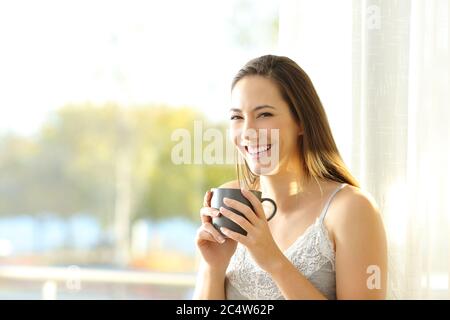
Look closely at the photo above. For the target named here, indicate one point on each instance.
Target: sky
(132, 52)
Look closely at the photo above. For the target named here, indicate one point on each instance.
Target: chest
(287, 229)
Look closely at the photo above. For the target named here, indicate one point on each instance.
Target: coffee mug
(235, 194)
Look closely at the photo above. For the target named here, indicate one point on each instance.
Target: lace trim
(309, 253)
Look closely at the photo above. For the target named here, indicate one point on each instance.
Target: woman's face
(258, 108)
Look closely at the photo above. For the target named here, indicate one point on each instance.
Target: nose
(248, 134)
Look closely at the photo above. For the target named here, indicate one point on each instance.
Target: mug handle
(274, 207)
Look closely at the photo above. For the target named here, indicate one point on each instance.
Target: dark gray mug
(235, 194)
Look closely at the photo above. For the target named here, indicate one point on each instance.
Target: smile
(257, 151)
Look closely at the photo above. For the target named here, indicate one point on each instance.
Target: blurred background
(93, 207)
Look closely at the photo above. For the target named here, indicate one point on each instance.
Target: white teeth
(255, 150)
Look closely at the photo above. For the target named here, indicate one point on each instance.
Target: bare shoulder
(353, 208)
(231, 184)
(351, 197)
(359, 243)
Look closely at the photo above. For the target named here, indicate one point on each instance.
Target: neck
(284, 186)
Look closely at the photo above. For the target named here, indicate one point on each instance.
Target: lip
(256, 155)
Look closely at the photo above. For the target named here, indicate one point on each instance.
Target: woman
(327, 240)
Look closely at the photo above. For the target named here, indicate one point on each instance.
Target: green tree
(72, 165)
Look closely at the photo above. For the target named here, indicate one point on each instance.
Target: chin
(262, 170)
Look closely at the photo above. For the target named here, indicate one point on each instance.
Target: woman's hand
(214, 248)
(259, 240)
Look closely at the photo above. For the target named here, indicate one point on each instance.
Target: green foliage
(84, 152)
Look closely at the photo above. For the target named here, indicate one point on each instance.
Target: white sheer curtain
(398, 146)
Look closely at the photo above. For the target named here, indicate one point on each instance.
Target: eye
(235, 117)
(265, 114)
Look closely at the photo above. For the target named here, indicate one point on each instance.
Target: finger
(209, 212)
(206, 203)
(234, 235)
(240, 220)
(208, 227)
(205, 235)
(242, 208)
(207, 199)
(256, 204)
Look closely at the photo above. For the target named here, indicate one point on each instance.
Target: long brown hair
(320, 156)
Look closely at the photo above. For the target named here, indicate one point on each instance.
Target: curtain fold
(400, 137)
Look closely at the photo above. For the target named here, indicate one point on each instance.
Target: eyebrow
(254, 109)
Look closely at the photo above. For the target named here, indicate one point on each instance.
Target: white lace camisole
(312, 254)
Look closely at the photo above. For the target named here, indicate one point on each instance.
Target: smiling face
(257, 109)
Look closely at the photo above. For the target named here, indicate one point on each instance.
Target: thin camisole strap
(325, 209)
